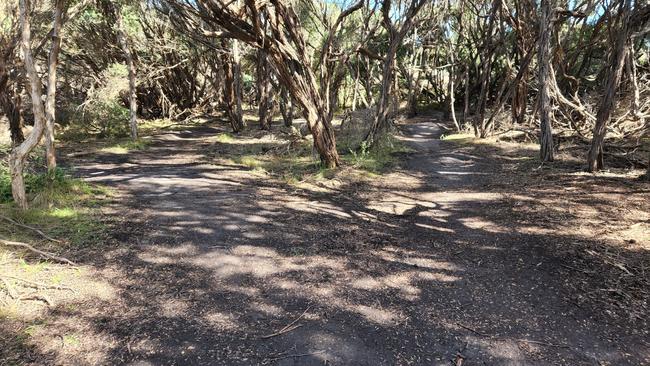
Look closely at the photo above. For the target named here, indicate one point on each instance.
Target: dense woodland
(570, 77)
(556, 71)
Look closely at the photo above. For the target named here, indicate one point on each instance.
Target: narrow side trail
(427, 265)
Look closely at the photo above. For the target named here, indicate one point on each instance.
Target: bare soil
(465, 253)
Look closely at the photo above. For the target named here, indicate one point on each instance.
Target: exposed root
(37, 251)
(10, 290)
(37, 297)
(40, 232)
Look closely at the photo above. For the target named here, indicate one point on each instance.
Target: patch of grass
(71, 340)
(154, 126)
(378, 158)
(126, 147)
(295, 168)
(31, 330)
(78, 225)
(462, 138)
(250, 161)
(49, 189)
(31, 268)
(60, 205)
(224, 138)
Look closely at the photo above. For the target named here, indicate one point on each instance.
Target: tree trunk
(50, 107)
(631, 70)
(519, 100)
(10, 103)
(466, 96)
(324, 137)
(19, 153)
(9, 95)
(546, 134)
(370, 98)
(595, 155)
(413, 78)
(237, 78)
(286, 107)
(356, 87)
(264, 90)
(382, 116)
(133, 101)
(452, 91)
(232, 86)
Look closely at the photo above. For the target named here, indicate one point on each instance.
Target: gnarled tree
(284, 42)
(396, 33)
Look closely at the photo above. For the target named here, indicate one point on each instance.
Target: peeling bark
(19, 153)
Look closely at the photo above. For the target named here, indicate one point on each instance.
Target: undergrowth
(125, 147)
(61, 205)
(378, 158)
(298, 162)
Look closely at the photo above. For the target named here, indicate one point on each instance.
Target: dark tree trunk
(264, 91)
(595, 155)
(382, 116)
(232, 87)
(10, 102)
(545, 134)
(286, 107)
(395, 36)
(519, 101)
(50, 103)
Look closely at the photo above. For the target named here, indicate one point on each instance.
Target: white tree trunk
(19, 153)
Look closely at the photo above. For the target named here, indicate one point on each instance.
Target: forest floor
(463, 252)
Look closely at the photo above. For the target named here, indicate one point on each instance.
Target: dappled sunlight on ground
(445, 254)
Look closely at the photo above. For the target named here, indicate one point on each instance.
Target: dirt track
(442, 258)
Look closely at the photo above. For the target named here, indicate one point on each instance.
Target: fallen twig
(37, 251)
(540, 343)
(39, 285)
(523, 340)
(298, 355)
(41, 233)
(473, 330)
(289, 327)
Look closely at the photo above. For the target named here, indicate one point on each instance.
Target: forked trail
(431, 264)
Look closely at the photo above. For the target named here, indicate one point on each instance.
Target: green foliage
(102, 114)
(5, 184)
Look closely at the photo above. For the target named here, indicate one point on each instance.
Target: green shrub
(5, 184)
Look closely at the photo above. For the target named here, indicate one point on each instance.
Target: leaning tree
(274, 28)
